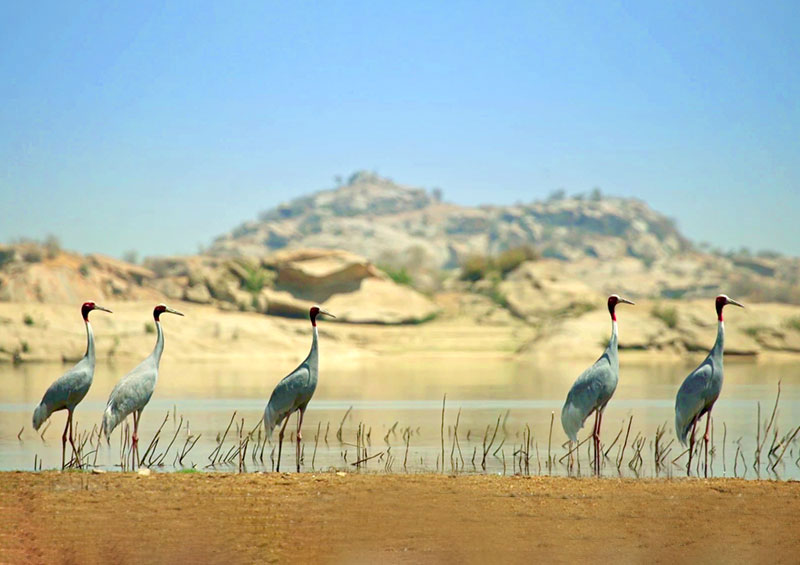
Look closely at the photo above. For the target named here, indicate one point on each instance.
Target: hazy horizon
(156, 127)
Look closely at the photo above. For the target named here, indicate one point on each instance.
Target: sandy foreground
(56, 517)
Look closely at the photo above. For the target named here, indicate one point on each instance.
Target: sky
(157, 126)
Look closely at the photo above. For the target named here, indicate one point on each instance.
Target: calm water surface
(385, 391)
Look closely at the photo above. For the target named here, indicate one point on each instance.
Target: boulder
(197, 293)
(381, 301)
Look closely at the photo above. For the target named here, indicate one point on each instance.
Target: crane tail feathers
(40, 415)
(572, 420)
(111, 419)
(271, 420)
(682, 428)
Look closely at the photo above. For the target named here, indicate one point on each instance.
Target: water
(409, 391)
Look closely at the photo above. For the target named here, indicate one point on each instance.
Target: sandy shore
(218, 518)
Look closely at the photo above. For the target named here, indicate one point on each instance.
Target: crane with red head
(71, 387)
(701, 388)
(594, 387)
(293, 393)
(132, 393)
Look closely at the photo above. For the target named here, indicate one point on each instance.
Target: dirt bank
(216, 518)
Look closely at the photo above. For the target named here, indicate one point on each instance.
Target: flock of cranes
(589, 394)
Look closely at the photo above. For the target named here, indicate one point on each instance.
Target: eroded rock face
(32, 274)
(287, 283)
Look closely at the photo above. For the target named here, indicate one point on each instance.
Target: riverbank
(467, 327)
(73, 517)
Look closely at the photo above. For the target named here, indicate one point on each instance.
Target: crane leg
(705, 439)
(64, 440)
(596, 437)
(135, 440)
(280, 442)
(299, 436)
(599, 448)
(72, 443)
(691, 450)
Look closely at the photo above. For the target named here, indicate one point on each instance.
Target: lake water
(408, 392)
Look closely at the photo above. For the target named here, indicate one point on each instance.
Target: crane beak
(322, 311)
(732, 301)
(173, 311)
(96, 307)
(626, 301)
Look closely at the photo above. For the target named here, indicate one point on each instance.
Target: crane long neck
(313, 355)
(720, 343)
(612, 343)
(89, 342)
(159, 348)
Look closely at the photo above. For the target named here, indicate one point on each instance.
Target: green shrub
(28, 320)
(667, 314)
(477, 267)
(474, 268)
(149, 328)
(754, 331)
(510, 259)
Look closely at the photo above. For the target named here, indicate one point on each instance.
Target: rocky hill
(375, 217)
(609, 244)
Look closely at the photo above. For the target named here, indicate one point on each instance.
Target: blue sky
(157, 126)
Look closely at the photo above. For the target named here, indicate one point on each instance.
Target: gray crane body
(295, 390)
(132, 393)
(70, 388)
(700, 389)
(592, 389)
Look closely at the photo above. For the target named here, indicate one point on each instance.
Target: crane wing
(693, 398)
(592, 389)
(66, 391)
(291, 393)
(69, 388)
(131, 393)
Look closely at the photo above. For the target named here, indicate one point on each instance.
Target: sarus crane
(294, 391)
(594, 388)
(701, 388)
(69, 389)
(132, 393)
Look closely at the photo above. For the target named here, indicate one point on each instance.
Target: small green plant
(28, 320)
(667, 314)
(25, 347)
(497, 296)
(792, 323)
(187, 471)
(400, 276)
(256, 278)
(84, 270)
(425, 319)
(149, 328)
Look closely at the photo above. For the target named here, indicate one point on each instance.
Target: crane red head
(315, 311)
(613, 300)
(161, 308)
(721, 301)
(88, 307)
